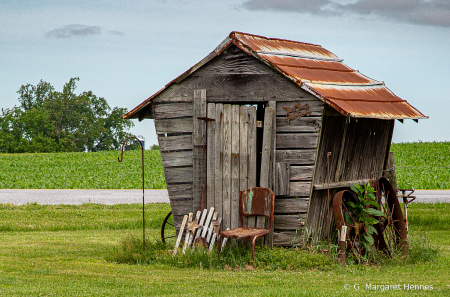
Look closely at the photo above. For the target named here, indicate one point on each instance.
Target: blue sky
(125, 51)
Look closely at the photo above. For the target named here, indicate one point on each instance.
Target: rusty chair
(256, 201)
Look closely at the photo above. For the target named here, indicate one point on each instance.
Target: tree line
(47, 120)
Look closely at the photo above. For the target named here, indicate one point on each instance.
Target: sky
(125, 51)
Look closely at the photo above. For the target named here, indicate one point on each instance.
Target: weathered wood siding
(296, 147)
(358, 151)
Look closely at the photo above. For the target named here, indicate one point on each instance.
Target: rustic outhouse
(277, 113)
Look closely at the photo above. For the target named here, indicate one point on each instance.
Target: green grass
(422, 165)
(99, 170)
(64, 257)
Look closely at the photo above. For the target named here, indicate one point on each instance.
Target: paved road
(135, 196)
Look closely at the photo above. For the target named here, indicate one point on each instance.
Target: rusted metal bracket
(297, 111)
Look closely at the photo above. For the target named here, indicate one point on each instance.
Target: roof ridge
(270, 38)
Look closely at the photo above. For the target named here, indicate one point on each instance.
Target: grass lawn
(64, 251)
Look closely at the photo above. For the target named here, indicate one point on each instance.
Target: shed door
(232, 158)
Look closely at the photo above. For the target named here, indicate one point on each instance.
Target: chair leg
(253, 249)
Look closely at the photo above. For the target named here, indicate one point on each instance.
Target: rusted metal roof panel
(317, 71)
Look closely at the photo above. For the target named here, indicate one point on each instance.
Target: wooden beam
(199, 142)
(341, 184)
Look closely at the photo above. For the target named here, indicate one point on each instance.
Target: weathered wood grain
(289, 222)
(199, 142)
(287, 238)
(243, 147)
(235, 157)
(218, 199)
(291, 205)
(210, 155)
(266, 147)
(252, 151)
(226, 185)
(304, 124)
(301, 173)
(299, 141)
(299, 189)
(174, 143)
(173, 110)
(172, 159)
(174, 125)
(178, 174)
(282, 173)
(177, 191)
(297, 157)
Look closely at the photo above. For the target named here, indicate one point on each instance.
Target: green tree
(52, 121)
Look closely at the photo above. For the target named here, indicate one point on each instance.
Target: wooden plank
(272, 178)
(210, 155)
(211, 227)
(174, 125)
(199, 142)
(298, 141)
(243, 147)
(282, 174)
(289, 222)
(315, 107)
(180, 190)
(178, 174)
(301, 173)
(341, 184)
(180, 207)
(252, 155)
(207, 223)
(299, 189)
(180, 234)
(173, 110)
(188, 235)
(173, 159)
(235, 158)
(213, 238)
(202, 224)
(304, 124)
(226, 165)
(265, 156)
(291, 205)
(297, 157)
(267, 148)
(243, 151)
(287, 238)
(174, 143)
(218, 199)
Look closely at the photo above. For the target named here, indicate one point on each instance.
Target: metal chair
(255, 201)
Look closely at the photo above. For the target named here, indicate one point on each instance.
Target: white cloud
(74, 31)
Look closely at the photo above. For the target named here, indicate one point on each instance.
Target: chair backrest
(257, 201)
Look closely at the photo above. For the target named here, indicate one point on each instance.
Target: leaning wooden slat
(235, 167)
(211, 227)
(213, 239)
(218, 199)
(252, 155)
(202, 223)
(191, 234)
(226, 205)
(265, 156)
(180, 234)
(199, 141)
(210, 154)
(186, 239)
(207, 222)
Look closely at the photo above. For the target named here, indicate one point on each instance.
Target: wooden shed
(261, 111)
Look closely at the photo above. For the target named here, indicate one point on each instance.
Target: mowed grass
(99, 170)
(422, 165)
(63, 257)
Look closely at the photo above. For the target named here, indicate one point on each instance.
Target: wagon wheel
(392, 228)
(168, 228)
(339, 213)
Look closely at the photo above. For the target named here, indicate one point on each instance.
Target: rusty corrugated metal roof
(319, 72)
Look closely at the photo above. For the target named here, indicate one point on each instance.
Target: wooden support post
(210, 155)
(199, 142)
(252, 156)
(235, 157)
(342, 245)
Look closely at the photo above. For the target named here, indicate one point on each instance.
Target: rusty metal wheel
(168, 228)
(392, 228)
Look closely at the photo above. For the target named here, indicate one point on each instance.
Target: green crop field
(99, 170)
(70, 251)
(424, 165)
